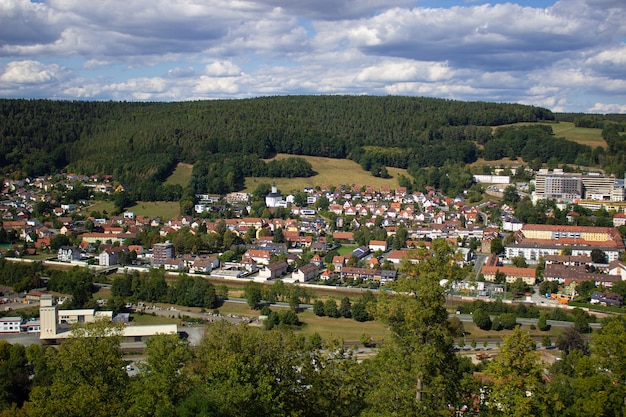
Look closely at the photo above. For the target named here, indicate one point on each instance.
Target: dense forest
(228, 140)
(140, 143)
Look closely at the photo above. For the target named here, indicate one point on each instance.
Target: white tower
(48, 317)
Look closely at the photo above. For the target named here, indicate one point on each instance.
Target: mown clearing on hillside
(180, 176)
(330, 172)
(567, 130)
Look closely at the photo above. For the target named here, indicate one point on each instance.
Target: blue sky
(566, 55)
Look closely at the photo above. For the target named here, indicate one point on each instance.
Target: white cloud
(568, 56)
(31, 72)
(222, 69)
(181, 72)
(607, 108)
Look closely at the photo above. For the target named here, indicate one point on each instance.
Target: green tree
(322, 203)
(542, 322)
(607, 349)
(496, 246)
(510, 195)
(415, 373)
(546, 341)
(15, 375)
(481, 319)
(330, 308)
(164, 378)
(517, 376)
(88, 376)
(598, 256)
(278, 237)
(252, 293)
(318, 308)
(345, 308)
(508, 320)
(519, 262)
(59, 240)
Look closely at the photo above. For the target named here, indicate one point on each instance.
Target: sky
(565, 55)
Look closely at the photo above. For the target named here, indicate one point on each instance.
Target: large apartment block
(567, 187)
(534, 241)
(161, 252)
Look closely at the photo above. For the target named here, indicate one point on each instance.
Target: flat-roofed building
(161, 252)
(54, 328)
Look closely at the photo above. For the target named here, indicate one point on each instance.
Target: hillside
(227, 141)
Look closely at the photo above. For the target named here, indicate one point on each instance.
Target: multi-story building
(161, 252)
(534, 241)
(567, 187)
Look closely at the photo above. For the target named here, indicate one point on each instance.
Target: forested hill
(143, 141)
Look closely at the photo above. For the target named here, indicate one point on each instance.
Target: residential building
(68, 254)
(108, 257)
(273, 270)
(161, 252)
(306, 272)
(528, 275)
(534, 241)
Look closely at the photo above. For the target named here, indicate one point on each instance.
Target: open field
(582, 135)
(149, 319)
(347, 329)
(180, 176)
(567, 130)
(165, 210)
(329, 171)
(101, 206)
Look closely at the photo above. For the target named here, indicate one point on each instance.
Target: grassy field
(101, 206)
(347, 329)
(567, 130)
(329, 171)
(180, 176)
(582, 135)
(149, 319)
(165, 210)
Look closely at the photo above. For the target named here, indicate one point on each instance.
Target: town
(381, 226)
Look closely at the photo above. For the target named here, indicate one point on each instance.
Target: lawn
(347, 329)
(180, 176)
(149, 319)
(165, 210)
(329, 171)
(103, 207)
(346, 249)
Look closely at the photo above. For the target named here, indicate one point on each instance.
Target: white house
(68, 254)
(108, 257)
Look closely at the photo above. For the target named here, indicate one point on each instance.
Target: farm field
(329, 171)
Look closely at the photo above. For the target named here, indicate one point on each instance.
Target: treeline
(221, 174)
(20, 276)
(532, 143)
(140, 143)
(152, 287)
